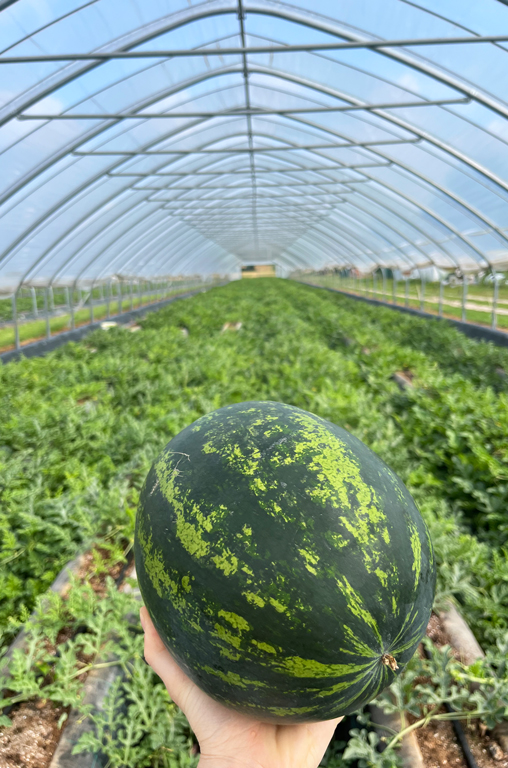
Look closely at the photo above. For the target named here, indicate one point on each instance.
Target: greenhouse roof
(142, 139)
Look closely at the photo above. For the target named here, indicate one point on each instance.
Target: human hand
(226, 738)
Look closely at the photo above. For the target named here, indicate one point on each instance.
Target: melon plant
(284, 565)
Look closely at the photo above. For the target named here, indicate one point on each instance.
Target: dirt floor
(32, 739)
(438, 742)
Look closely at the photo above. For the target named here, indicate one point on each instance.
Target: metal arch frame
(370, 215)
(413, 174)
(428, 211)
(281, 171)
(58, 208)
(221, 252)
(327, 28)
(188, 83)
(99, 234)
(272, 74)
(91, 261)
(359, 242)
(120, 192)
(438, 246)
(207, 74)
(460, 203)
(449, 226)
(354, 258)
(49, 250)
(320, 237)
(124, 234)
(341, 226)
(195, 241)
(264, 11)
(187, 233)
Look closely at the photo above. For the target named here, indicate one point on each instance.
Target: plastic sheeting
(227, 171)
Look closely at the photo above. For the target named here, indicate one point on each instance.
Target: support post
(406, 297)
(384, 283)
(441, 295)
(131, 295)
(464, 298)
(422, 297)
(91, 305)
(108, 300)
(46, 312)
(394, 288)
(34, 302)
(67, 299)
(15, 317)
(494, 303)
(71, 306)
(51, 298)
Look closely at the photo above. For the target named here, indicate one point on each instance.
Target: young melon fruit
(284, 565)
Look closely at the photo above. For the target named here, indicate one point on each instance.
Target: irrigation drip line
(459, 731)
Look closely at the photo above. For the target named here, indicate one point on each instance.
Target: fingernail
(142, 619)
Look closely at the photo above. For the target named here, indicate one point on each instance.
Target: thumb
(178, 685)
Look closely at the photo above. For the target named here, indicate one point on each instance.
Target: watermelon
(284, 565)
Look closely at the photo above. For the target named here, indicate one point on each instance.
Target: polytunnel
(253, 522)
(152, 139)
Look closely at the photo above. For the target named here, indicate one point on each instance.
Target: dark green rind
(280, 558)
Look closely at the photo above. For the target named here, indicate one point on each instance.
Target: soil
(439, 746)
(438, 742)
(404, 378)
(437, 634)
(34, 735)
(486, 751)
(98, 581)
(31, 740)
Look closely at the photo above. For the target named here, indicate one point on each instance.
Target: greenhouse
(253, 382)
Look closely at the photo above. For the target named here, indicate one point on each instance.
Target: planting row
(80, 428)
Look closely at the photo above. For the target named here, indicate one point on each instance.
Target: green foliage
(80, 428)
(137, 725)
(445, 682)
